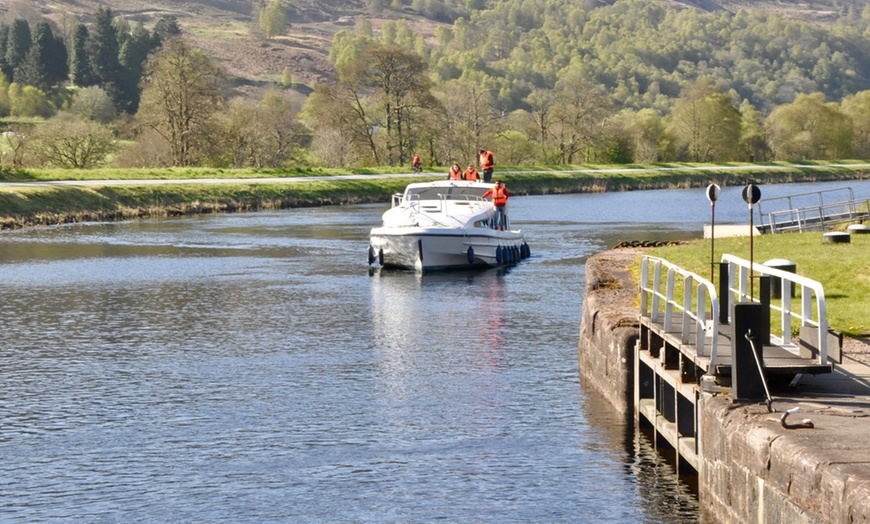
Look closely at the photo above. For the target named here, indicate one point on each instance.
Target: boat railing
(659, 296)
(397, 199)
(461, 198)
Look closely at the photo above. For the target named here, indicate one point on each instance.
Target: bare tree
(180, 96)
(398, 83)
(71, 143)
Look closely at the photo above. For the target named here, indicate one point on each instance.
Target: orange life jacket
(499, 195)
(454, 175)
(471, 174)
(486, 160)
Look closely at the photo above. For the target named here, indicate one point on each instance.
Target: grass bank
(843, 269)
(22, 206)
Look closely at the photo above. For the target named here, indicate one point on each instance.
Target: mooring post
(724, 294)
(764, 300)
(746, 381)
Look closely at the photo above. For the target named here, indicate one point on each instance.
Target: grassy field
(843, 269)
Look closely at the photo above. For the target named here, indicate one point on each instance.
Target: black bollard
(764, 299)
(746, 381)
(723, 293)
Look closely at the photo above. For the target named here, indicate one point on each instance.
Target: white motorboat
(445, 224)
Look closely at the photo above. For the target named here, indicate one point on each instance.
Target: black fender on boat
(498, 255)
(371, 254)
(470, 255)
(381, 256)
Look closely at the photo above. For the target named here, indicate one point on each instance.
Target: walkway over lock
(687, 340)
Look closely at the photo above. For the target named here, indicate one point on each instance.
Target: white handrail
(740, 267)
(696, 290)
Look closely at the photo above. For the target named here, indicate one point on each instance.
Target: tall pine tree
(103, 52)
(134, 51)
(82, 72)
(44, 65)
(17, 44)
(4, 39)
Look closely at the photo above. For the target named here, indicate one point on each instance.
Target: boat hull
(432, 249)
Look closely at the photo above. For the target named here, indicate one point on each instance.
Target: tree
(45, 63)
(380, 100)
(103, 52)
(341, 113)
(399, 85)
(261, 133)
(132, 56)
(273, 19)
(165, 29)
(541, 103)
(70, 143)
(4, 40)
(706, 124)
(580, 111)
(809, 128)
(28, 101)
(18, 43)
(4, 95)
(180, 97)
(753, 141)
(287, 78)
(92, 103)
(857, 108)
(643, 136)
(82, 72)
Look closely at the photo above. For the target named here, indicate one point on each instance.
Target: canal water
(253, 368)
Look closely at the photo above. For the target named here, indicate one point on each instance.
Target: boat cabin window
(450, 193)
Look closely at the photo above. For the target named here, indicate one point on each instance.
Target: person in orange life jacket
(455, 172)
(499, 200)
(470, 173)
(485, 160)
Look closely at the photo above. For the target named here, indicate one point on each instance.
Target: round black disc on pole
(713, 192)
(751, 194)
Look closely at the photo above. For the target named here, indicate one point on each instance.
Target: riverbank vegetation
(843, 269)
(32, 204)
(536, 81)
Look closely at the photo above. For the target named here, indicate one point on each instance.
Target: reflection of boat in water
(445, 224)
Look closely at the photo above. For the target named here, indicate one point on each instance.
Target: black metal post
(746, 381)
(724, 294)
(764, 299)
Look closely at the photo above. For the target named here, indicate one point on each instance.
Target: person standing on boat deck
(470, 174)
(485, 160)
(455, 172)
(499, 200)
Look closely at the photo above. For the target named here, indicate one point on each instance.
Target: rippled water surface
(251, 368)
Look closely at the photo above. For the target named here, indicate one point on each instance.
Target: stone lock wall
(609, 327)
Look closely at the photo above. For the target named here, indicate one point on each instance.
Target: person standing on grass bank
(499, 200)
(486, 164)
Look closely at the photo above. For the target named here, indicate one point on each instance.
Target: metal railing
(798, 217)
(698, 297)
(738, 277)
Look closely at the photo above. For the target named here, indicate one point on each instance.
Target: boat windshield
(449, 193)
